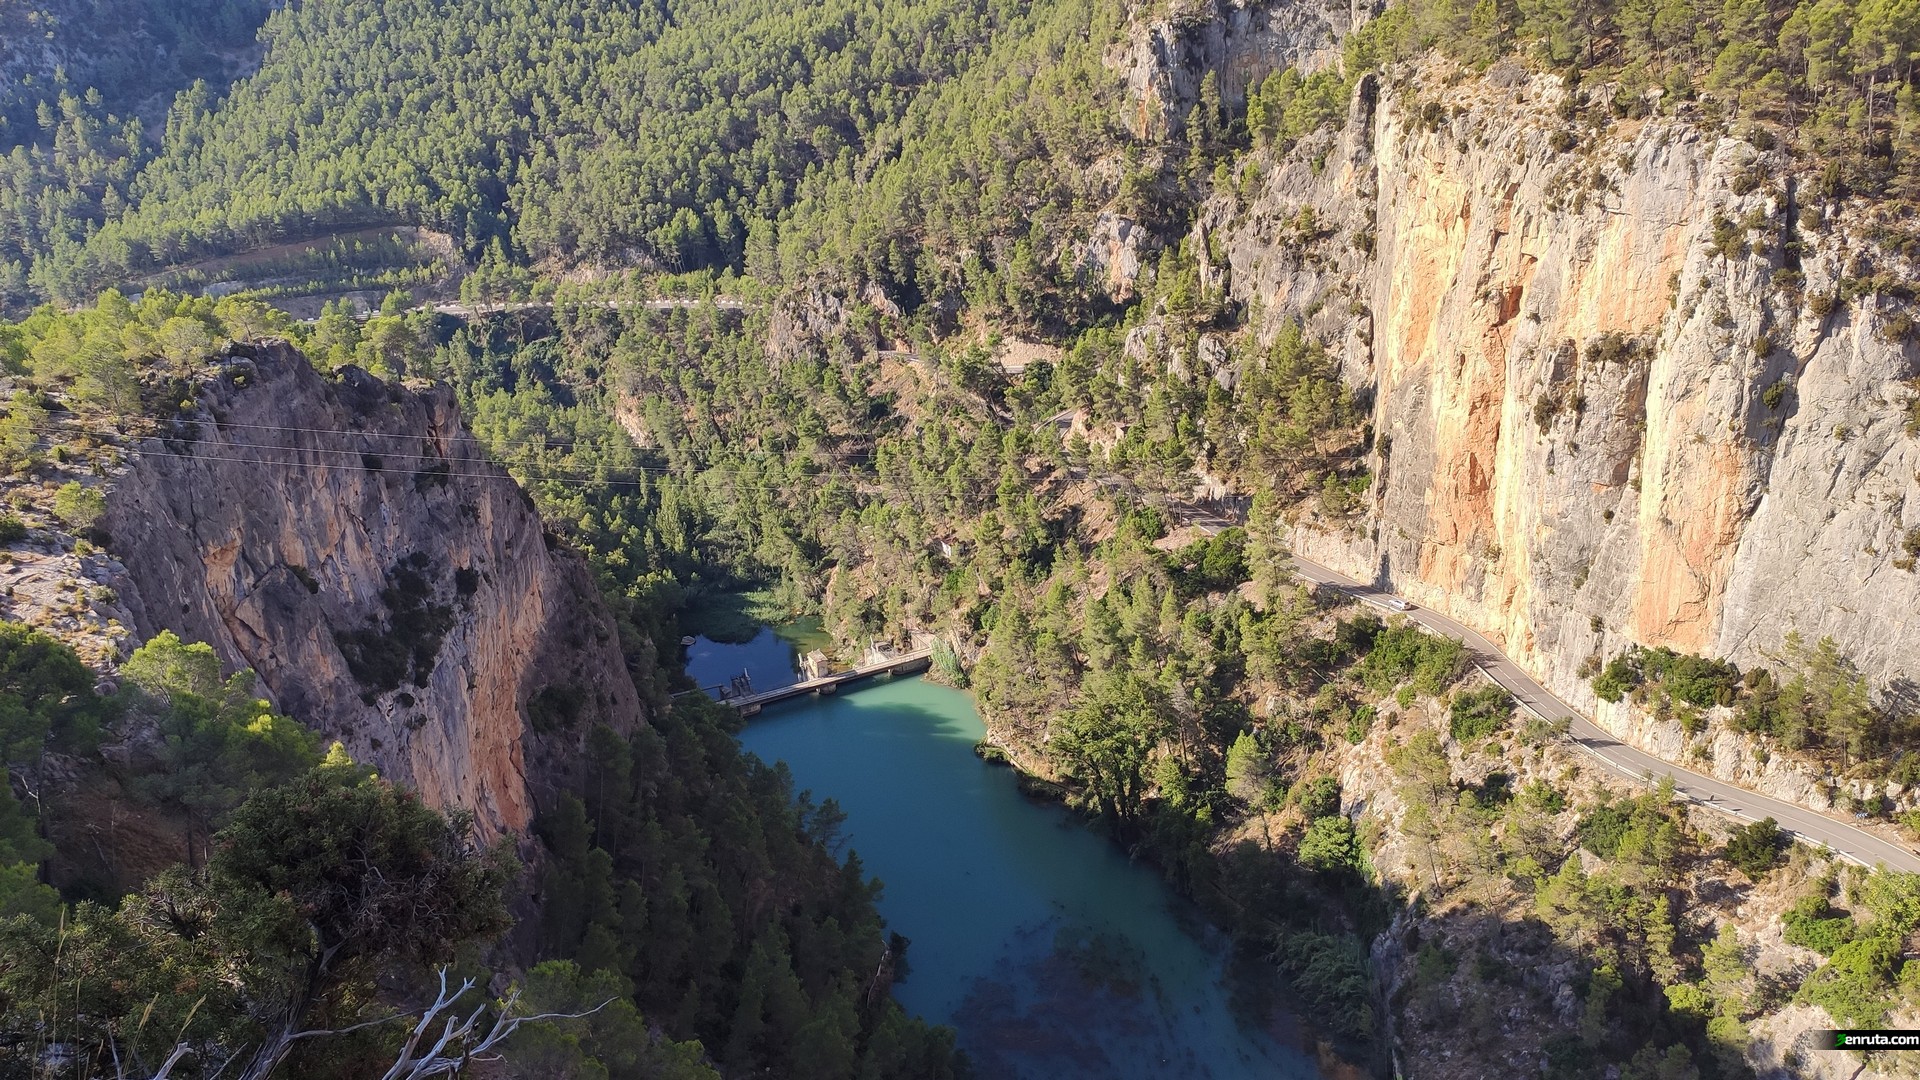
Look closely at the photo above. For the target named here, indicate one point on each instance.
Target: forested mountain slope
(342, 545)
(1592, 325)
(582, 132)
(85, 89)
(122, 54)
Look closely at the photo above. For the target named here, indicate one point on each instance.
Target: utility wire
(503, 474)
(369, 452)
(550, 444)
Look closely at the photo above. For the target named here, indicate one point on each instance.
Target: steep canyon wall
(1614, 397)
(351, 543)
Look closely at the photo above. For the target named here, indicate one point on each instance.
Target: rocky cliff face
(1614, 395)
(350, 542)
(1167, 57)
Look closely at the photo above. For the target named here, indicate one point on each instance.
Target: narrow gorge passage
(1052, 953)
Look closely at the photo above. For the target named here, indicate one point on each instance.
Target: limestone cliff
(1167, 56)
(1624, 383)
(350, 542)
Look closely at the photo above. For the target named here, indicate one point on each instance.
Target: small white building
(814, 665)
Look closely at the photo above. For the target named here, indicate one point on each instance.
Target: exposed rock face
(350, 542)
(1166, 58)
(1112, 253)
(1609, 411)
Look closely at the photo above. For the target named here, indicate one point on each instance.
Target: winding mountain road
(1847, 841)
(463, 310)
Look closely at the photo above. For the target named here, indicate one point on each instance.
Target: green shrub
(1756, 848)
(1856, 986)
(12, 529)
(1480, 712)
(1329, 845)
(1330, 972)
(1600, 829)
(1216, 564)
(1542, 796)
(556, 708)
(1690, 1000)
(1361, 723)
(46, 698)
(1812, 924)
(1318, 797)
(1640, 828)
(381, 658)
(1408, 654)
(305, 577)
(79, 507)
(1284, 106)
(1695, 680)
(1619, 677)
(1433, 965)
(1247, 776)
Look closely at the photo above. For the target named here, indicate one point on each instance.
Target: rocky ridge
(1625, 383)
(1571, 369)
(351, 543)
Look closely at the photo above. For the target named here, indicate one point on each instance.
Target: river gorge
(1049, 951)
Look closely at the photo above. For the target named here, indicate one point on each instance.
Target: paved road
(1845, 840)
(467, 311)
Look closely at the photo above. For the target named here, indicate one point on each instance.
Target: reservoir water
(1051, 953)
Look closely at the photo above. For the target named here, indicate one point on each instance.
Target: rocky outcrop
(1173, 48)
(1616, 399)
(351, 543)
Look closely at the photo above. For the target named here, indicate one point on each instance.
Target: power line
(503, 474)
(363, 452)
(551, 444)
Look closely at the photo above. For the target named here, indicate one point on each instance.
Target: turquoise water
(1035, 937)
(769, 660)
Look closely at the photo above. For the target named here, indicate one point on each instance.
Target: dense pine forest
(941, 150)
(888, 198)
(677, 878)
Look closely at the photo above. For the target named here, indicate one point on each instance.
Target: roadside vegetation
(1814, 703)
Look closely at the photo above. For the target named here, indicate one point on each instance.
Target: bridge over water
(877, 662)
